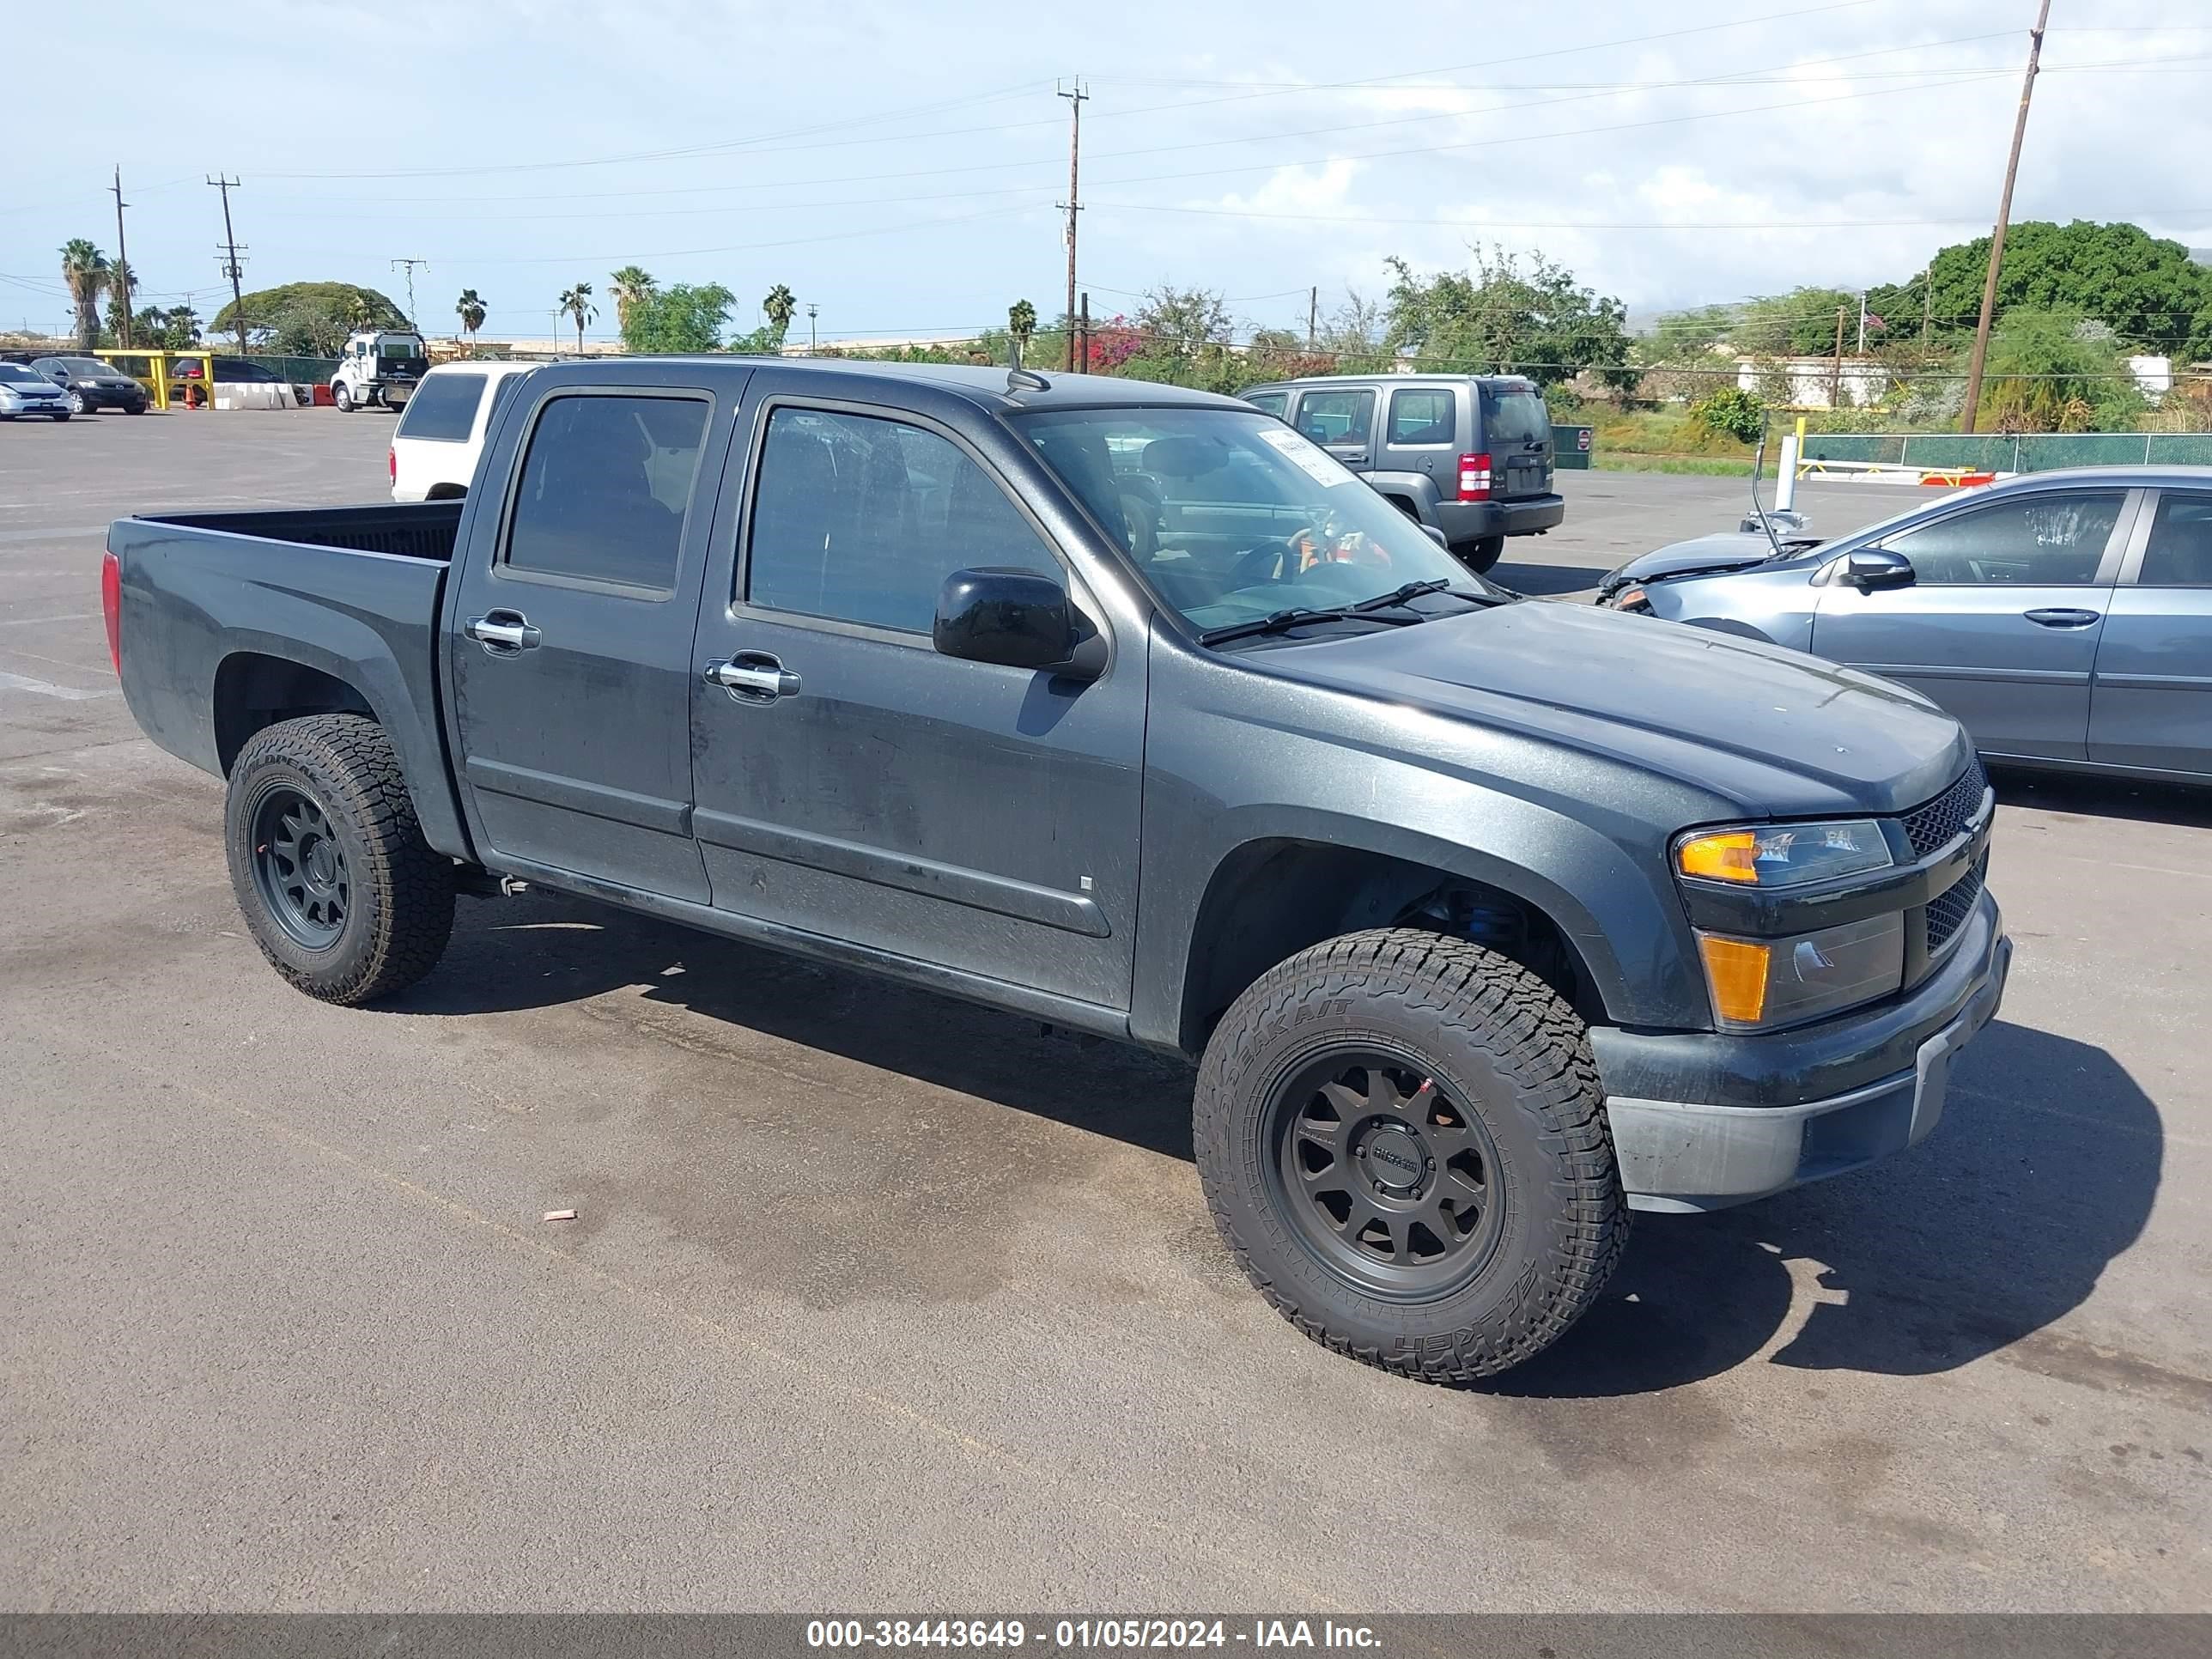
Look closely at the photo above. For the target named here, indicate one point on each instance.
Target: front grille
(1935, 824)
(1951, 908)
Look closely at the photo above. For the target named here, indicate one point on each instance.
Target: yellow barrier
(155, 373)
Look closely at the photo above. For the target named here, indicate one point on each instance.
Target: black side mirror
(1872, 570)
(1016, 619)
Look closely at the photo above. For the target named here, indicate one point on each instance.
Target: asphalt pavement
(877, 1301)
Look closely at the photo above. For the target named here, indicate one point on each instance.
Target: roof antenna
(1028, 377)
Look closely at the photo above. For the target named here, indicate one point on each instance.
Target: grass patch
(1616, 460)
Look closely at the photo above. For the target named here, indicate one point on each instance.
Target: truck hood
(1774, 732)
(1727, 550)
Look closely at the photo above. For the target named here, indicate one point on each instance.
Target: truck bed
(410, 530)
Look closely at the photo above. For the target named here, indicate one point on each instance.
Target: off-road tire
(1481, 556)
(1489, 1033)
(400, 912)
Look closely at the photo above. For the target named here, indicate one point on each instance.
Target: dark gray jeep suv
(1467, 455)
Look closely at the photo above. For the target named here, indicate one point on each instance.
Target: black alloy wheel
(300, 867)
(1386, 1178)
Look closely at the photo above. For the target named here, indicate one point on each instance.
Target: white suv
(441, 430)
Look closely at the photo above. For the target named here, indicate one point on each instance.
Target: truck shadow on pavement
(2043, 1169)
(2187, 805)
(1544, 582)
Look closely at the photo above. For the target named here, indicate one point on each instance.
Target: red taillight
(1474, 477)
(392, 463)
(111, 607)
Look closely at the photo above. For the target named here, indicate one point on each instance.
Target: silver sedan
(2064, 617)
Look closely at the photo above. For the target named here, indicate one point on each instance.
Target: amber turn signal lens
(1731, 855)
(1737, 970)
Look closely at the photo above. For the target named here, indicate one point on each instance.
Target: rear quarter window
(1273, 403)
(443, 409)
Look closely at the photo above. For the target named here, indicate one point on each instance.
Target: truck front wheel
(1403, 1141)
(342, 895)
(342, 395)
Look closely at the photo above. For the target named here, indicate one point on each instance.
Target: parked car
(871, 664)
(2065, 618)
(92, 384)
(24, 391)
(1469, 455)
(441, 431)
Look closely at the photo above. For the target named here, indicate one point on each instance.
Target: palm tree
(577, 303)
(631, 286)
(84, 269)
(780, 307)
(122, 283)
(1021, 323)
(470, 308)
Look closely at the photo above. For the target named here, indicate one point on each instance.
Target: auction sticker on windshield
(1314, 461)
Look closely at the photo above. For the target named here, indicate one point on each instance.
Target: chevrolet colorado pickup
(1130, 710)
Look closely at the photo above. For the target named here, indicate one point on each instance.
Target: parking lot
(875, 1300)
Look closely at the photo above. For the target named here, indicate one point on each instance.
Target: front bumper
(110, 398)
(1702, 1121)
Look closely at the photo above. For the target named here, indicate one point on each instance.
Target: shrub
(1739, 414)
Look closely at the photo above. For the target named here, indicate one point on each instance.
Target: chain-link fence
(2023, 453)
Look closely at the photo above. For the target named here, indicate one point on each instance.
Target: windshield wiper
(1281, 621)
(1399, 595)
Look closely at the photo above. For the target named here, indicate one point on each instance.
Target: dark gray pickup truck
(1130, 710)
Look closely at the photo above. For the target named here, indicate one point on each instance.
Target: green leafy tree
(1182, 323)
(2146, 289)
(1021, 323)
(308, 319)
(471, 309)
(85, 272)
(2051, 368)
(1733, 412)
(631, 286)
(122, 289)
(576, 302)
(779, 307)
(680, 318)
(1501, 317)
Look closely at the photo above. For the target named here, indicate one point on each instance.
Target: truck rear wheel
(1403, 1141)
(343, 896)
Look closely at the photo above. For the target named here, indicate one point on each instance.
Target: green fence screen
(1570, 446)
(2030, 453)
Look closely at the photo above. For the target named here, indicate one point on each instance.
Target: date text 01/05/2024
(1086, 1634)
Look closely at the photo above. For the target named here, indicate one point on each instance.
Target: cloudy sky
(898, 165)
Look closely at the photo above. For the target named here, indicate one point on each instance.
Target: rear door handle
(753, 677)
(503, 633)
(2061, 618)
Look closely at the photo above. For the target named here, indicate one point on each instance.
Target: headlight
(1632, 598)
(1758, 984)
(1783, 855)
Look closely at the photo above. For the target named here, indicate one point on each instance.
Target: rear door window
(603, 487)
(1337, 417)
(443, 409)
(1421, 414)
(2179, 554)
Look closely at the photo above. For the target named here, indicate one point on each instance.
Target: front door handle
(2060, 617)
(503, 633)
(753, 677)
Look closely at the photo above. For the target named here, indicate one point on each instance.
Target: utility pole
(231, 267)
(1313, 318)
(122, 259)
(410, 265)
(1084, 334)
(2004, 215)
(1836, 374)
(1862, 350)
(1927, 307)
(1073, 205)
(810, 330)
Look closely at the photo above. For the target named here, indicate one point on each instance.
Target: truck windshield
(1232, 516)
